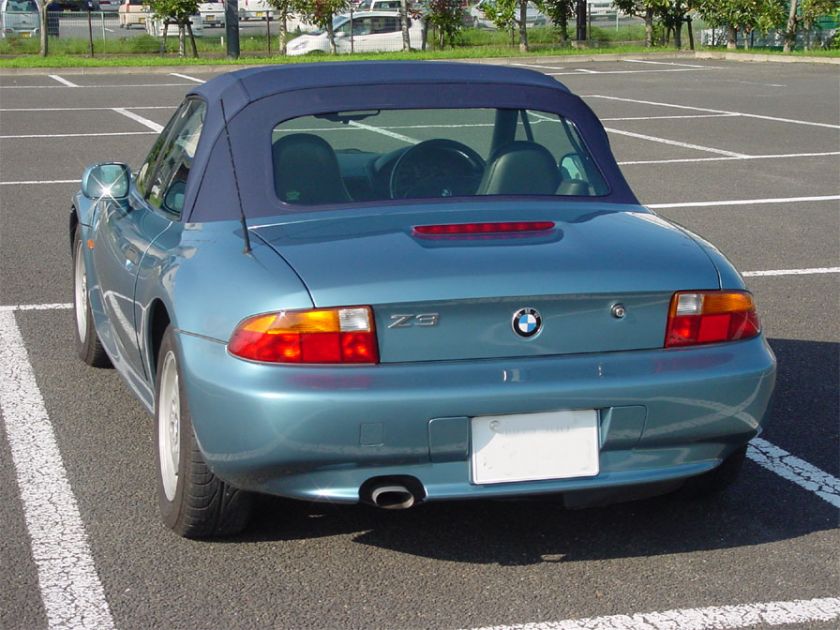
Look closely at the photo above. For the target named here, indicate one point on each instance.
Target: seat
(520, 168)
(306, 171)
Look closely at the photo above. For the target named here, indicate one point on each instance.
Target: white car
(369, 31)
(154, 27)
(533, 16)
(19, 18)
(255, 10)
(212, 13)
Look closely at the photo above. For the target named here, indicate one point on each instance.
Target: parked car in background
(212, 14)
(400, 282)
(255, 10)
(381, 5)
(134, 13)
(111, 6)
(478, 19)
(368, 31)
(20, 18)
(154, 26)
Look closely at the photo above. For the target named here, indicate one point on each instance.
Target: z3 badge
(409, 320)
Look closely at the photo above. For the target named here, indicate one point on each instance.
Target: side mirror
(106, 180)
(572, 167)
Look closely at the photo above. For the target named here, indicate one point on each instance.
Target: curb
(499, 61)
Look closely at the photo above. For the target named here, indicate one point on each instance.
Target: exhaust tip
(392, 497)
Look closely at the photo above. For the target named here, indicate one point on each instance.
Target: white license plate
(535, 446)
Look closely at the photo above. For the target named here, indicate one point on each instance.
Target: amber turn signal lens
(339, 335)
(700, 317)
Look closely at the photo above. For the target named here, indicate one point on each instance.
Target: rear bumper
(318, 433)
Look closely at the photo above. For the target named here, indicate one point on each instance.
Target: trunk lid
(455, 297)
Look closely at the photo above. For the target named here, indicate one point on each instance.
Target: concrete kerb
(721, 55)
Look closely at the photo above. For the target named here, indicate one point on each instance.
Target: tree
(321, 13)
(177, 12)
(645, 9)
(282, 10)
(447, 17)
(811, 10)
(559, 12)
(743, 16)
(502, 13)
(673, 13)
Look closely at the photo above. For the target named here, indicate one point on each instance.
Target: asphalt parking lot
(747, 155)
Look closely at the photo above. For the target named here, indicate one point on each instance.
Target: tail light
(698, 317)
(330, 335)
(473, 229)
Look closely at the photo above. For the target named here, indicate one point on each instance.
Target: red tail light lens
(336, 335)
(470, 229)
(698, 317)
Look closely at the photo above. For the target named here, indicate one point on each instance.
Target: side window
(168, 183)
(147, 170)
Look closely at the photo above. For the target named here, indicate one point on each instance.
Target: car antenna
(245, 234)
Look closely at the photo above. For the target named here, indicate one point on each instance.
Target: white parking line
(714, 111)
(384, 132)
(187, 77)
(585, 70)
(80, 109)
(676, 143)
(137, 117)
(791, 272)
(664, 63)
(800, 472)
(710, 617)
(720, 159)
(78, 135)
(742, 202)
(72, 594)
(38, 182)
(62, 80)
(581, 71)
(670, 117)
(118, 86)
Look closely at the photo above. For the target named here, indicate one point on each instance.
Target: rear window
(346, 157)
(24, 6)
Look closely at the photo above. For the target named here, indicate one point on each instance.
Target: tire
(194, 503)
(717, 480)
(88, 346)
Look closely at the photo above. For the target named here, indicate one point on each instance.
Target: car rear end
(20, 18)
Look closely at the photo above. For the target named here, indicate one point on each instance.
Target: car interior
(346, 157)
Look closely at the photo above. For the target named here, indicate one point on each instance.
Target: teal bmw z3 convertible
(399, 282)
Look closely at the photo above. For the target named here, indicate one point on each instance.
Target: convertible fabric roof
(245, 86)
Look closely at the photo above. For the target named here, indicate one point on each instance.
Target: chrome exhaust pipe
(392, 497)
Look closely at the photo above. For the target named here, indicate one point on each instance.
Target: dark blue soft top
(268, 80)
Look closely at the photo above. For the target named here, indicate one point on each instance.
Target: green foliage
(178, 11)
(559, 12)
(502, 13)
(447, 18)
(744, 15)
(320, 12)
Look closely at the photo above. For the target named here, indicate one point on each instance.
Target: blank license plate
(531, 447)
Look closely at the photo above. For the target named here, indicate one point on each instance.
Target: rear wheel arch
(159, 320)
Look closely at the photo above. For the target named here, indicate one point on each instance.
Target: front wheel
(193, 501)
(88, 346)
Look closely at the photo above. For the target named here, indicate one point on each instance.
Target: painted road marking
(742, 202)
(669, 117)
(791, 272)
(187, 77)
(72, 594)
(78, 135)
(587, 71)
(707, 618)
(664, 63)
(676, 143)
(744, 157)
(130, 85)
(39, 182)
(61, 80)
(600, 72)
(384, 132)
(800, 472)
(713, 111)
(137, 117)
(80, 109)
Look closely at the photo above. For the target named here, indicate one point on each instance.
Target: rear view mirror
(106, 180)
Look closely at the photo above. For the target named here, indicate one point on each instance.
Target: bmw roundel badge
(527, 322)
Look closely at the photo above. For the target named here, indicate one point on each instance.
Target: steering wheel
(436, 168)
